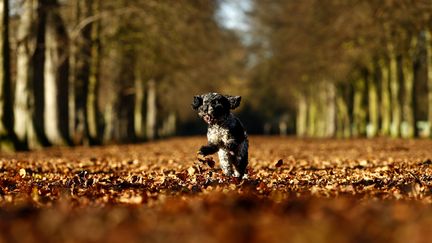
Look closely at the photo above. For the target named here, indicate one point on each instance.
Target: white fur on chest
(217, 135)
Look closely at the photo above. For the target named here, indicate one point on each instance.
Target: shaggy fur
(226, 134)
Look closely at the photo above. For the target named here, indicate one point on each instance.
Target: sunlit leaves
(162, 189)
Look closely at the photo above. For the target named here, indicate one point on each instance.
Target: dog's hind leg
(241, 160)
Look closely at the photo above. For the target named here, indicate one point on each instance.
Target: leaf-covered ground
(298, 191)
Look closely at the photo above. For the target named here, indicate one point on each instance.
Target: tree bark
(151, 114)
(56, 77)
(7, 136)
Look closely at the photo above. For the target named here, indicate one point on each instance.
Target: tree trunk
(408, 128)
(394, 92)
(373, 105)
(80, 69)
(28, 51)
(408, 113)
(110, 118)
(323, 110)
(428, 40)
(331, 110)
(172, 124)
(385, 98)
(151, 115)
(93, 79)
(301, 121)
(7, 136)
(312, 116)
(139, 104)
(169, 125)
(55, 78)
(359, 112)
(72, 115)
(72, 81)
(343, 121)
(38, 62)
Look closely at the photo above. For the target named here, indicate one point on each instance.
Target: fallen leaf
(22, 172)
(279, 163)
(191, 171)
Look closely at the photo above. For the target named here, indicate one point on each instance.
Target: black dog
(226, 134)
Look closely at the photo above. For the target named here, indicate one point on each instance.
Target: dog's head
(214, 107)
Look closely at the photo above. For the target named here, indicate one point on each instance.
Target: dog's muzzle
(208, 119)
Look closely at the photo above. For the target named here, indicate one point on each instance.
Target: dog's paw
(205, 150)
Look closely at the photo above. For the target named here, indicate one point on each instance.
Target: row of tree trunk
(55, 98)
(379, 101)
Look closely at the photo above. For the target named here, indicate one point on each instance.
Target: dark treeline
(84, 72)
(348, 68)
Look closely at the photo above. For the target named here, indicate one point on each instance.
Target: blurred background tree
(97, 72)
(356, 65)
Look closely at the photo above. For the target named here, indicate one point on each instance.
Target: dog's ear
(197, 102)
(234, 101)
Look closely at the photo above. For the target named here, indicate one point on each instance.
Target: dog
(226, 135)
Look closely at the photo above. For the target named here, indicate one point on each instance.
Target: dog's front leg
(208, 149)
